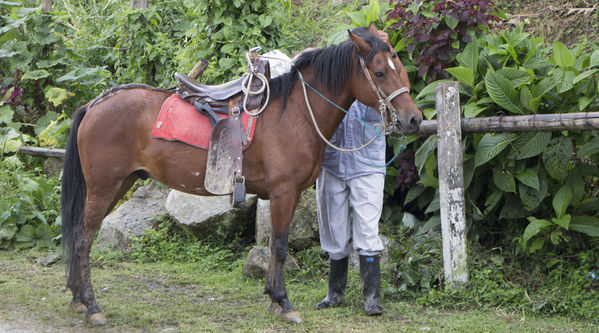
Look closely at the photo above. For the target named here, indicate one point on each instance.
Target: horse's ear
(362, 45)
(372, 28)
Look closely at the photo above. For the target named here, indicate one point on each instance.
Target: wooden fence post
(198, 69)
(451, 184)
(139, 3)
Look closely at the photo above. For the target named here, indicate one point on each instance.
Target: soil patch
(568, 21)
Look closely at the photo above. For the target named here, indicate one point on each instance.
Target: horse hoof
(291, 317)
(275, 309)
(77, 307)
(97, 319)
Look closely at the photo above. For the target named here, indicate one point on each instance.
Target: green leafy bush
(37, 63)
(416, 261)
(29, 208)
(133, 45)
(224, 31)
(533, 175)
(166, 242)
(435, 31)
(549, 285)
(313, 264)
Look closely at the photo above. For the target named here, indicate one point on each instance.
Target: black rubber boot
(337, 284)
(370, 274)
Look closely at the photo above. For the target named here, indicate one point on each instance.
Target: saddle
(224, 163)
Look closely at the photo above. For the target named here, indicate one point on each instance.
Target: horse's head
(383, 79)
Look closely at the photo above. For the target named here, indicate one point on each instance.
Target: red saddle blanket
(178, 120)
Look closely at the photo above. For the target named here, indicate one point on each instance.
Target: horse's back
(115, 141)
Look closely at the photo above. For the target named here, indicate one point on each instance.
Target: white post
(139, 3)
(451, 184)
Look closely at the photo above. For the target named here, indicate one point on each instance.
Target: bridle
(386, 109)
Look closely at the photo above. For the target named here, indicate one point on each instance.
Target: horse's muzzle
(409, 125)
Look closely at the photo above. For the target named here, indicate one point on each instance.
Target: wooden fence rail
(45, 152)
(537, 122)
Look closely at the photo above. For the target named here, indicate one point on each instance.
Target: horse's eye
(394, 54)
(379, 74)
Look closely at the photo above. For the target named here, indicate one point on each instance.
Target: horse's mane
(331, 66)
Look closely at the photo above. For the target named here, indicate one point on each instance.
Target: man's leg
(333, 226)
(366, 197)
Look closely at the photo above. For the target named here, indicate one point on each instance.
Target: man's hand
(384, 37)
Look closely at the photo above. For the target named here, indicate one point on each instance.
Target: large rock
(53, 166)
(263, 222)
(211, 216)
(256, 263)
(303, 231)
(133, 217)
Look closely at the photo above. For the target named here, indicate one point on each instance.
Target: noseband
(386, 109)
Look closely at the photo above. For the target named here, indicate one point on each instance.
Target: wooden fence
(449, 128)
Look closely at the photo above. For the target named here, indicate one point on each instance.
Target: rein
(349, 150)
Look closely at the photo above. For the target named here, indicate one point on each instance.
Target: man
(356, 179)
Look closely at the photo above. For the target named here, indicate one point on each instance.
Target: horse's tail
(73, 196)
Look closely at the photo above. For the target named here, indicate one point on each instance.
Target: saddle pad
(178, 120)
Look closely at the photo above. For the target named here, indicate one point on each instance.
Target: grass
(163, 296)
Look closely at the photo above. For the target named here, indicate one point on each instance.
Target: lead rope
(318, 129)
(246, 83)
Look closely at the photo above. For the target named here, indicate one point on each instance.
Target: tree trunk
(139, 3)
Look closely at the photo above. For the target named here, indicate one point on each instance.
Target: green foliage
(373, 12)
(433, 32)
(567, 286)
(29, 206)
(534, 174)
(313, 264)
(315, 23)
(37, 62)
(166, 242)
(416, 260)
(224, 31)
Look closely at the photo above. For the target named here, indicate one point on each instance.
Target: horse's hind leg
(101, 198)
(282, 205)
(74, 279)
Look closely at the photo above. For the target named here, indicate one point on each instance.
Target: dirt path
(23, 327)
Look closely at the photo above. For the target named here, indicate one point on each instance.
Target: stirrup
(238, 195)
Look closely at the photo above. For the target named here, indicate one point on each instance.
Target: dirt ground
(569, 21)
(23, 327)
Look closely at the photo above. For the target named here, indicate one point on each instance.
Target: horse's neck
(327, 115)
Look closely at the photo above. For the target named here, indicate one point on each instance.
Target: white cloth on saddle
(279, 62)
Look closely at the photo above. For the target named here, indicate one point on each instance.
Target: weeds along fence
(448, 128)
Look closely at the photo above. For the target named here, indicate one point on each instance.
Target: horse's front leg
(282, 206)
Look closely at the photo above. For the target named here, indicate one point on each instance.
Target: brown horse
(110, 147)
